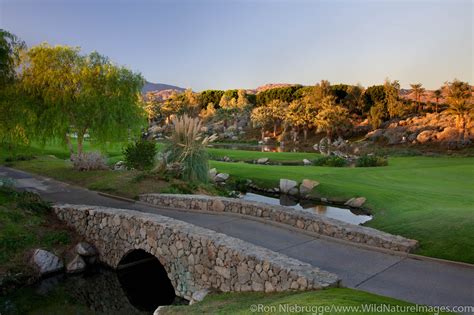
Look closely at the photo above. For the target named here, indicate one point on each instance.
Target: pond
(343, 214)
(138, 289)
(261, 147)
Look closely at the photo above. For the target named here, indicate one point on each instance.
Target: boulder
(355, 202)
(221, 177)
(307, 162)
(307, 186)
(45, 262)
(212, 173)
(77, 264)
(286, 185)
(263, 160)
(426, 136)
(120, 166)
(198, 296)
(85, 249)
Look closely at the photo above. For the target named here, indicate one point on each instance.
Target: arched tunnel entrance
(145, 281)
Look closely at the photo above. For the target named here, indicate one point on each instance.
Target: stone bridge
(194, 258)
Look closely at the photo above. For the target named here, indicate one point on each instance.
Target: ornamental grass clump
(187, 148)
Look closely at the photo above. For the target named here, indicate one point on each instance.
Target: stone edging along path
(302, 220)
(194, 258)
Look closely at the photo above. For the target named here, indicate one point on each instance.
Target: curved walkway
(409, 279)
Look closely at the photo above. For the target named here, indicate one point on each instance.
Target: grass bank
(426, 198)
(26, 223)
(339, 301)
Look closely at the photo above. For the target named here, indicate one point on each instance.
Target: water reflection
(98, 291)
(343, 214)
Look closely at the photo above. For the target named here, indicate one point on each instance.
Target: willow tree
(82, 94)
(13, 115)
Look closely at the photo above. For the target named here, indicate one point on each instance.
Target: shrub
(89, 161)
(187, 147)
(140, 155)
(333, 161)
(32, 202)
(371, 161)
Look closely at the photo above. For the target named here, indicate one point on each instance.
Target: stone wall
(299, 219)
(195, 258)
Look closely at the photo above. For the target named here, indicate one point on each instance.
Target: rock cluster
(195, 258)
(440, 128)
(299, 219)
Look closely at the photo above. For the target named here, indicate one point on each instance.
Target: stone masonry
(299, 219)
(194, 258)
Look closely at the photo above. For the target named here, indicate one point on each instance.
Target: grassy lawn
(241, 303)
(241, 155)
(25, 224)
(426, 198)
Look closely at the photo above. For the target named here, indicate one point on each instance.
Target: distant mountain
(157, 87)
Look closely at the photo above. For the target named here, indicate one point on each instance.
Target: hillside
(157, 87)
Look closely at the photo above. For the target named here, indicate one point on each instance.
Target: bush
(32, 202)
(371, 161)
(140, 155)
(89, 161)
(333, 161)
(187, 149)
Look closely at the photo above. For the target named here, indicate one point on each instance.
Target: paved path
(418, 281)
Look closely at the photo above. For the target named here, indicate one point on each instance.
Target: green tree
(395, 107)
(10, 49)
(437, 94)
(81, 94)
(377, 114)
(332, 119)
(14, 115)
(278, 110)
(460, 101)
(261, 117)
(300, 114)
(418, 91)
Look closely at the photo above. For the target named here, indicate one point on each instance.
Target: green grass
(241, 303)
(242, 155)
(26, 223)
(429, 199)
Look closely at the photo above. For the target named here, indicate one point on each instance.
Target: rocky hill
(157, 87)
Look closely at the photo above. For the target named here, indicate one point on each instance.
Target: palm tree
(437, 94)
(419, 91)
(459, 99)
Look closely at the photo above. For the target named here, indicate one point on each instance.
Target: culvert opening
(145, 281)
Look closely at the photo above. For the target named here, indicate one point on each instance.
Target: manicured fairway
(242, 155)
(430, 199)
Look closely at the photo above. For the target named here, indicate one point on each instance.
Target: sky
(213, 44)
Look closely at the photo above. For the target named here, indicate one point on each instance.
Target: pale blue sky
(246, 43)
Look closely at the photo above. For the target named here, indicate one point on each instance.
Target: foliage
(461, 103)
(210, 96)
(332, 118)
(187, 146)
(373, 95)
(377, 115)
(10, 49)
(330, 160)
(140, 155)
(261, 117)
(418, 92)
(89, 161)
(284, 94)
(395, 107)
(371, 161)
(83, 94)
